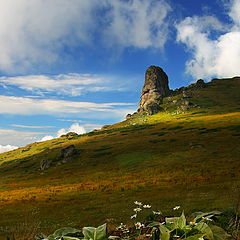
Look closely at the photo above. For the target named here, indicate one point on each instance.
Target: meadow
(175, 157)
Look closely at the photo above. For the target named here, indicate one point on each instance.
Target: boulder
(70, 135)
(128, 116)
(67, 153)
(154, 89)
(44, 164)
(153, 108)
(200, 83)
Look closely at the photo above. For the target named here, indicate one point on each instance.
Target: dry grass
(190, 159)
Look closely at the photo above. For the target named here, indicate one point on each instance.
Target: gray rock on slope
(154, 89)
(67, 153)
(44, 164)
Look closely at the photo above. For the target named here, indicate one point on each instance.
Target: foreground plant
(201, 227)
(67, 233)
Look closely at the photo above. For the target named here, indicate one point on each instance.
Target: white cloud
(29, 126)
(28, 106)
(7, 148)
(46, 138)
(212, 57)
(61, 108)
(73, 84)
(234, 13)
(18, 138)
(138, 23)
(73, 128)
(37, 32)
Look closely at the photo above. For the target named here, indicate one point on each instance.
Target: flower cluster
(139, 225)
(139, 208)
(207, 219)
(157, 212)
(192, 223)
(176, 208)
(123, 228)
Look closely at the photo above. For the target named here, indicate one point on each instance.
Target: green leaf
(219, 233)
(181, 221)
(155, 233)
(40, 236)
(195, 237)
(204, 228)
(176, 222)
(172, 222)
(154, 224)
(71, 238)
(99, 233)
(113, 237)
(63, 232)
(199, 215)
(51, 237)
(165, 233)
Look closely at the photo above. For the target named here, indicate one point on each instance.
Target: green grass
(133, 159)
(190, 159)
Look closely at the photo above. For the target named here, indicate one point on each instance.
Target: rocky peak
(154, 89)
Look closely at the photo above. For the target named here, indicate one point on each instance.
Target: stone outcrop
(67, 153)
(154, 89)
(44, 164)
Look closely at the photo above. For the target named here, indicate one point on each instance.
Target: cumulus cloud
(138, 23)
(28, 37)
(73, 84)
(7, 148)
(46, 138)
(75, 127)
(234, 13)
(212, 57)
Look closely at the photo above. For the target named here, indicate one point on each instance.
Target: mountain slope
(187, 154)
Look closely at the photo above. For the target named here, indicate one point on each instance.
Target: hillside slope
(188, 154)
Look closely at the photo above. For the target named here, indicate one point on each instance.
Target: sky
(77, 65)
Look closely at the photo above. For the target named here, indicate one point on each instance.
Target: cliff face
(154, 89)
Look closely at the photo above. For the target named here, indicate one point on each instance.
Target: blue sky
(77, 65)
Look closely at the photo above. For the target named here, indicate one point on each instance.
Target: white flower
(121, 227)
(138, 203)
(157, 213)
(176, 236)
(207, 219)
(147, 206)
(148, 235)
(192, 223)
(163, 223)
(201, 238)
(134, 216)
(176, 208)
(138, 225)
(137, 209)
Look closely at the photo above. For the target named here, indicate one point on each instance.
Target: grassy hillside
(186, 156)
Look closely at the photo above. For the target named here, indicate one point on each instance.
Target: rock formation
(44, 164)
(67, 153)
(154, 89)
